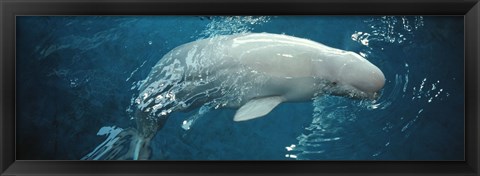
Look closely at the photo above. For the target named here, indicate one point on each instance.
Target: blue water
(75, 75)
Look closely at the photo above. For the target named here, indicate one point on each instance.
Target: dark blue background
(74, 76)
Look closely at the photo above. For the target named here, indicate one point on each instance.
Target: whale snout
(372, 84)
(377, 81)
(364, 77)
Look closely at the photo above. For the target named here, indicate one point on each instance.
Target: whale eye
(334, 83)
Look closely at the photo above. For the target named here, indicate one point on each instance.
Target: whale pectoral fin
(256, 108)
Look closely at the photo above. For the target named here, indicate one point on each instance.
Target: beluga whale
(251, 72)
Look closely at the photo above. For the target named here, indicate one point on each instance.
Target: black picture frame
(9, 9)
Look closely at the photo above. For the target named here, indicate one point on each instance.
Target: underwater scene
(240, 88)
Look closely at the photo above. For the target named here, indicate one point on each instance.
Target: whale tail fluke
(121, 144)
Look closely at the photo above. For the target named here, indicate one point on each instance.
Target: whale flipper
(256, 108)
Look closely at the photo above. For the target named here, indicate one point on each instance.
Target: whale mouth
(375, 95)
(359, 94)
(364, 95)
(356, 94)
(369, 95)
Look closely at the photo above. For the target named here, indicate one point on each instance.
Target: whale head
(353, 76)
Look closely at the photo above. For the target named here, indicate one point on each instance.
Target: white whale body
(253, 72)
